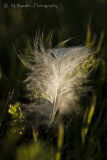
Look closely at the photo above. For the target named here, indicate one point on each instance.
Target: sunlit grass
(87, 119)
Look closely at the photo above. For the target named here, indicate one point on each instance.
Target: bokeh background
(76, 19)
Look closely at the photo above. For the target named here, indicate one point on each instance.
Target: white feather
(55, 75)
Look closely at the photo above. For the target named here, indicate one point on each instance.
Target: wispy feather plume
(55, 82)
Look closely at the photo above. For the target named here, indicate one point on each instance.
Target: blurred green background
(71, 19)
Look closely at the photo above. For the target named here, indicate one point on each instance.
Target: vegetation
(84, 139)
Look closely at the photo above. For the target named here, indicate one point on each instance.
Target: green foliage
(83, 139)
(18, 118)
(40, 150)
(15, 111)
(60, 141)
(34, 151)
(87, 119)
